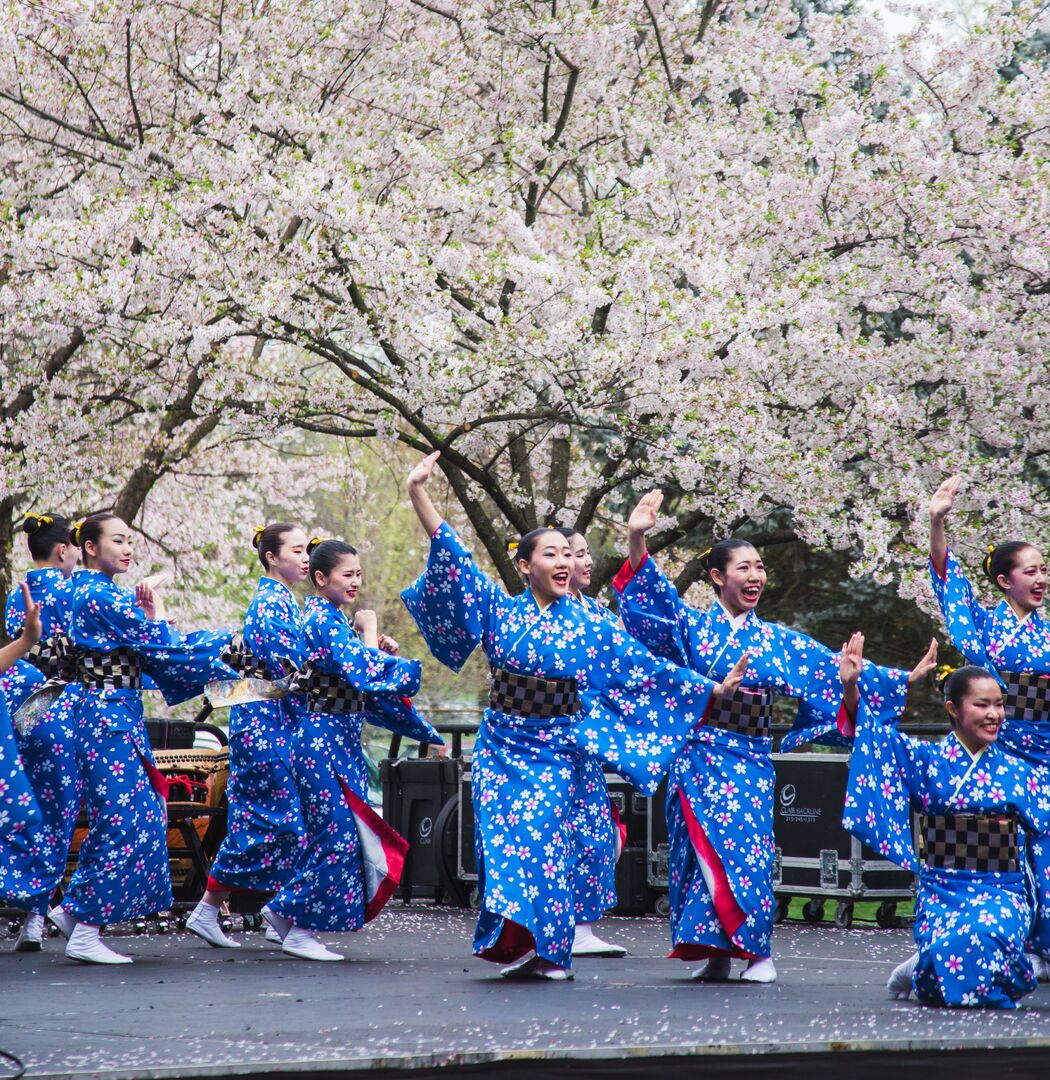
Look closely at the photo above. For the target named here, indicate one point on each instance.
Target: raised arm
(642, 519)
(420, 498)
(941, 503)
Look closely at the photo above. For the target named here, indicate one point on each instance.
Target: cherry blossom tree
(792, 273)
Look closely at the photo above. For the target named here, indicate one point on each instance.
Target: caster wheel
(13, 927)
(257, 922)
(247, 922)
(475, 900)
(844, 915)
(140, 927)
(813, 911)
(181, 924)
(163, 926)
(226, 924)
(886, 916)
(780, 912)
(662, 906)
(51, 930)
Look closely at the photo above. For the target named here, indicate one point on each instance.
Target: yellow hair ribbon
(704, 554)
(512, 546)
(257, 537)
(40, 519)
(74, 533)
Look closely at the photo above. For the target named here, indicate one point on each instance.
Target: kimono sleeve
(652, 610)
(18, 805)
(371, 671)
(965, 619)
(1031, 795)
(886, 771)
(14, 614)
(452, 601)
(814, 680)
(179, 664)
(639, 708)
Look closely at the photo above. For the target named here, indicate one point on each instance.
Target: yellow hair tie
(991, 548)
(74, 533)
(40, 519)
(257, 536)
(320, 540)
(704, 554)
(512, 546)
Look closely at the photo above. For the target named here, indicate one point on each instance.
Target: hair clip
(704, 554)
(257, 536)
(512, 546)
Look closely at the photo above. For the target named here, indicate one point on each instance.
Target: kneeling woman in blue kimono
(973, 909)
(720, 789)
(352, 860)
(1012, 640)
(566, 683)
(120, 636)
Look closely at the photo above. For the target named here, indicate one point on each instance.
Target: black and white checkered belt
(532, 698)
(238, 656)
(329, 694)
(745, 713)
(54, 658)
(971, 842)
(1027, 696)
(120, 669)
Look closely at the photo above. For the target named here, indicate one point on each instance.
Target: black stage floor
(410, 997)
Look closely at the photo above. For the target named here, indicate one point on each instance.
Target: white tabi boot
(715, 970)
(86, 946)
(762, 970)
(277, 926)
(304, 945)
(204, 922)
(587, 943)
(900, 982)
(61, 919)
(31, 935)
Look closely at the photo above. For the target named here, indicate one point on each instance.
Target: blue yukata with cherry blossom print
(597, 834)
(54, 593)
(352, 859)
(971, 926)
(995, 639)
(720, 788)
(33, 859)
(264, 840)
(636, 711)
(122, 866)
(18, 805)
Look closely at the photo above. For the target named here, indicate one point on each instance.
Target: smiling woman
(568, 685)
(1012, 640)
(978, 801)
(720, 791)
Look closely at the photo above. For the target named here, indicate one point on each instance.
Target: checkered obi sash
(745, 713)
(532, 698)
(54, 658)
(328, 693)
(238, 656)
(120, 669)
(1027, 696)
(971, 842)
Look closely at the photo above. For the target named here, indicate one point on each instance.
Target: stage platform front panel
(411, 997)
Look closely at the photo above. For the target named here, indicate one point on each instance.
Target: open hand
(943, 499)
(851, 660)
(32, 628)
(925, 665)
(731, 683)
(643, 516)
(421, 473)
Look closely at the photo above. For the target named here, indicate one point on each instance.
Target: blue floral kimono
(18, 806)
(33, 860)
(264, 839)
(122, 867)
(971, 925)
(720, 788)
(352, 861)
(636, 711)
(598, 836)
(994, 638)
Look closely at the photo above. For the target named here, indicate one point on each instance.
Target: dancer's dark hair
(268, 539)
(44, 533)
(720, 555)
